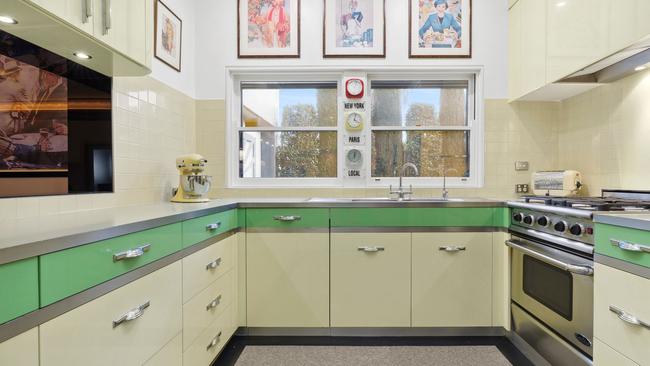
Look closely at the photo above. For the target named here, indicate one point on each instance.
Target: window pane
(289, 105)
(288, 154)
(426, 149)
(442, 103)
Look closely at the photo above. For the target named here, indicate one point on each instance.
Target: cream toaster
(560, 183)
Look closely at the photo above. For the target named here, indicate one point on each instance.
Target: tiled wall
(605, 134)
(526, 131)
(153, 124)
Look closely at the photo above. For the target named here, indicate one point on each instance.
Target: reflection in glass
(428, 150)
(288, 154)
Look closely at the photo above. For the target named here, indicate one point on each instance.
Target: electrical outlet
(521, 165)
(521, 188)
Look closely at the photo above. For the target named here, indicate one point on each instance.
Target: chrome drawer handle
(214, 341)
(107, 15)
(132, 253)
(214, 303)
(289, 218)
(214, 264)
(86, 10)
(452, 249)
(628, 318)
(371, 249)
(132, 314)
(213, 227)
(630, 247)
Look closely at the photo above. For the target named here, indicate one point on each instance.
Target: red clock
(354, 88)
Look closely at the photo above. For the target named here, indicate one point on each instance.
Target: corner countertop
(640, 221)
(26, 238)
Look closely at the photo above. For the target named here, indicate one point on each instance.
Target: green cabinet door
(206, 227)
(619, 242)
(18, 288)
(418, 217)
(287, 218)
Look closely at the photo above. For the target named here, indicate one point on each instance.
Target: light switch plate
(522, 188)
(521, 165)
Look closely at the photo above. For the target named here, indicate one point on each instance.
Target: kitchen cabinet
(371, 279)
(18, 288)
(514, 51)
(123, 25)
(604, 355)
(78, 13)
(211, 341)
(618, 242)
(206, 227)
(170, 355)
(21, 350)
(452, 280)
(207, 265)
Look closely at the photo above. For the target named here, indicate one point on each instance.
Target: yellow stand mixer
(194, 186)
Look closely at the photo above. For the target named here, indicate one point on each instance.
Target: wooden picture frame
(263, 36)
(164, 47)
(441, 40)
(344, 35)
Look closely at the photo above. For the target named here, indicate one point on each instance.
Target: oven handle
(580, 270)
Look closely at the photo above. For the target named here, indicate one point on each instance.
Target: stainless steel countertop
(26, 238)
(639, 221)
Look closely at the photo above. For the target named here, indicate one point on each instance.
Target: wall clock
(354, 157)
(354, 121)
(354, 88)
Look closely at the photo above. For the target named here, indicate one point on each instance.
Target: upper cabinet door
(122, 25)
(79, 13)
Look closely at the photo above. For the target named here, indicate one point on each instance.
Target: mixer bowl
(196, 185)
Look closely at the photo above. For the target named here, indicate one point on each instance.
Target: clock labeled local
(354, 157)
(354, 121)
(354, 88)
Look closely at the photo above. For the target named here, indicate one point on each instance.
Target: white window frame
(237, 75)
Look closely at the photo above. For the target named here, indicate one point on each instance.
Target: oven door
(555, 287)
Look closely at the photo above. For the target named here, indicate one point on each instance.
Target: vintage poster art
(168, 33)
(440, 28)
(33, 119)
(354, 28)
(268, 28)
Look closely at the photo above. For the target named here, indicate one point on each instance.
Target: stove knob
(560, 226)
(517, 217)
(543, 221)
(577, 229)
(529, 220)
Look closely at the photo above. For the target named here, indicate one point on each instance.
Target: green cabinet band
(18, 288)
(205, 227)
(417, 217)
(606, 233)
(287, 218)
(70, 271)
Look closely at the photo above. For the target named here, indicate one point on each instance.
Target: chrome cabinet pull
(106, 15)
(214, 264)
(452, 249)
(580, 270)
(288, 218)
(214, 341)
(214, 303)
(628, 318)
(213, 226)
(132, 253)
(86, 10)
(371, 249)
(630, 247)
(132, 314)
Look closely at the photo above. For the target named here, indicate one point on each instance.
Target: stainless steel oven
(552, 300)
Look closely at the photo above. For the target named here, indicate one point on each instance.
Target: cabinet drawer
(631, 295)
(452, 280)
(21, 350)
(70, 271)
(206, 227)
(205, 307)
(371, 288)
(170, 355)
(90, 335)
(604, 355)
(205, 266)
(18, 288)
(619, 242)
(208, 344)
(287, 218)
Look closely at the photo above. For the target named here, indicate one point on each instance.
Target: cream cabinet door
(604, 355)
(514, 51)
(122, 25)
(207, 346)
(533, 45)
(94, 334)
(287, 279)
(170, 355)
(207, 265)
(371, 280)
(452, 279)
(21, 350)
(79, 13)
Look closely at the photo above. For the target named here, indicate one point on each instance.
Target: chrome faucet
(400, 192)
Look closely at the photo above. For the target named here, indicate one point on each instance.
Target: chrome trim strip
(288, 230)
(28, 321)
(551, 209)
(567, 243)
(632, 222)
(374, 332)
(622, 265)
(417, 229)
(527, 350)
(343, 203)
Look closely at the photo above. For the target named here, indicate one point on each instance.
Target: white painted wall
(184, 81)
(216, 33)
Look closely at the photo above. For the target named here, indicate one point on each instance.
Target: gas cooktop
(591, 203)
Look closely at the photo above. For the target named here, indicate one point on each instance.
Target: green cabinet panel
(605, 233)
(417, 217)
(206, 227)
(273, 218)
(70, 271)
(18, 288)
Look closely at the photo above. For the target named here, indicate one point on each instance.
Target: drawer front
(604, 355)
(287, 218)
(639, 254)
(205, 266)
(206, 227)
(70, 271)
(170, 355)
(205, 307)
(18, 288)
(371, 288)
(89, 334)
(21, 350)
(630, 294)
(208, 344)
(387, 217)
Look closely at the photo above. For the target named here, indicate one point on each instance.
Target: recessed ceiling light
(8, 20)
(560, 4)
(83, 55)
(640, 68)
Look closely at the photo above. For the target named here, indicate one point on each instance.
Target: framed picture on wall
(168, 30)
(440, 28)
(354, 28)
(268, 28)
